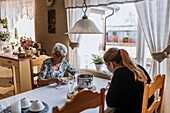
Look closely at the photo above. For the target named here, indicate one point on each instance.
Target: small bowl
(36, 106)
(16, 107)
(25, 103)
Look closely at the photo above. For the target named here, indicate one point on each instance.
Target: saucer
(45, 110)
(66, 80)
(93, 88)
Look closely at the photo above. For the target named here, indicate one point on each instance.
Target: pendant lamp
(84, 25)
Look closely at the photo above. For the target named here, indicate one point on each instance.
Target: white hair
(59, 48)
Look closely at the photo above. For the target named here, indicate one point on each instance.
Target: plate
(26, 110)
(65, 80)
(93, 88)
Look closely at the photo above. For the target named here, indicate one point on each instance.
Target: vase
(1, 26)
(29, 52)
(99, 67)
(3, 44)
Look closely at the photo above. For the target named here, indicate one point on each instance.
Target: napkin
(25, 103)
(16, 107)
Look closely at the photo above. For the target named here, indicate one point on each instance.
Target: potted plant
(4, 38)
(28, 45)
(98, 61)
(2, 23)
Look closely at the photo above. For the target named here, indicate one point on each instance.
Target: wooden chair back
(35, 65)
(149, 90)
(85, 99)
(5, 74)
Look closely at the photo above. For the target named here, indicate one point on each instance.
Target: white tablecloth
(52, 96)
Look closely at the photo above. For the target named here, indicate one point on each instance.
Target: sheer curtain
(73, 15)
(140, 53)
(11, 9)
(154, 19)
(93, 3)
(166, 107)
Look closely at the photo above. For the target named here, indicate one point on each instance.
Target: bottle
(38, 50)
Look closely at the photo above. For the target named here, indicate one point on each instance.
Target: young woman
(125, 93)
(54, 68)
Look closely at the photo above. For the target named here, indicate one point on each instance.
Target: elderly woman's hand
(58, 80)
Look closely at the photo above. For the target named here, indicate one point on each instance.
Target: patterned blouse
(47, 71)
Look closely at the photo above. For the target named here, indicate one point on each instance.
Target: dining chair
(8, 73)
(35, 65)
(85, 99)
(149, 90)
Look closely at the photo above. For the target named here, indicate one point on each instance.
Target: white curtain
(12, 9)
(73, 15)
(93, 3)
(154, 20)
(140, 46)
(166, 99)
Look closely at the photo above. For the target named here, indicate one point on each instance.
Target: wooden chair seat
(4, 90)
(149, 90)
(83, 100)
(8, 73)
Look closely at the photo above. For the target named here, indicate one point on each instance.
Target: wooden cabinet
(23, 73)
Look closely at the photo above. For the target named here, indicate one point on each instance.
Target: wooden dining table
(53, 96)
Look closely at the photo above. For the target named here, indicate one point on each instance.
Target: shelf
(3, 29)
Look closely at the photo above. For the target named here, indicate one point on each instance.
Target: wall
(46, 39)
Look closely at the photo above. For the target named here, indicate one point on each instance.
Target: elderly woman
(125, 93)
(54, 68)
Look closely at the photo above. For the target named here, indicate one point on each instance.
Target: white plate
(65, 80)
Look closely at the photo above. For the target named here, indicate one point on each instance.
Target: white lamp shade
(84, 26)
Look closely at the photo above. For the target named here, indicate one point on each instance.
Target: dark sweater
(125, 94)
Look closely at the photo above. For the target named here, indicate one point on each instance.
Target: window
(121, 32)
(91, 44)
(147, 58)
(24, 27)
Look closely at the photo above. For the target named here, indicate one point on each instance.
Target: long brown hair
(121, 57)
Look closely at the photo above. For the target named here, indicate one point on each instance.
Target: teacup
(36, 106)
(16, 107)
(25, 103)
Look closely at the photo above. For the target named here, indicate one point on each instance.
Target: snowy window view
(121, 32)
(121, 29)
(23, 27)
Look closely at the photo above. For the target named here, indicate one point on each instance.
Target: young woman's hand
(75, 77)
(108, 83)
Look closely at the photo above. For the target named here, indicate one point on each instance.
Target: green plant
(97, 59)
(2, 22)
(5, 36)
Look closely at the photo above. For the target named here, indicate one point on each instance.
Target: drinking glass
(70, 90)
(58, 87)
(71, 85)
(0, 108)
